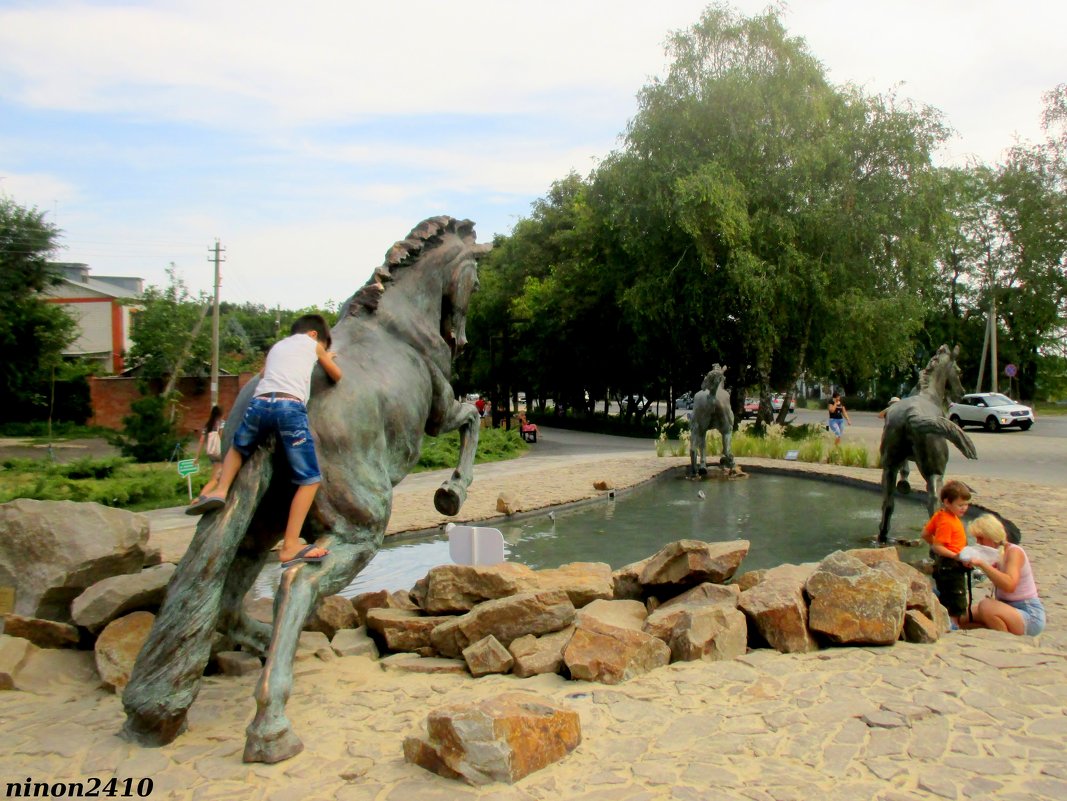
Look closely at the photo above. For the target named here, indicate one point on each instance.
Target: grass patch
(111, 482)
(1049, 409)
(810, 441)
(494, 445)
(37, 431)
(121, 483)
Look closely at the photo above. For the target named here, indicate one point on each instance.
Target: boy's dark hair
(954, 491)
(313, 322)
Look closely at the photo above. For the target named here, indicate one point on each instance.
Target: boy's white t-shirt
(288, 367)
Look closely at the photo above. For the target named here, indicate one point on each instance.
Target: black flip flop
(204, 504)
(303, 558)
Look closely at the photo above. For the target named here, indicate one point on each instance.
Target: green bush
(494, 445)
(149, 434)
(111, 482)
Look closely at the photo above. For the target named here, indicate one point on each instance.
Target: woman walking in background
(211, 444)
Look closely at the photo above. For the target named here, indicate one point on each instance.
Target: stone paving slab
(978, 715)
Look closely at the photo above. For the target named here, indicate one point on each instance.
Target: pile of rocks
(80, 575)
(83, 578)
(586, 622)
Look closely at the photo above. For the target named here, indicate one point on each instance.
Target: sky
(308, 137)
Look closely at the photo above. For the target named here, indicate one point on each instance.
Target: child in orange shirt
(947, 537)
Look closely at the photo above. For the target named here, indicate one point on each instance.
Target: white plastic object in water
(475, 545)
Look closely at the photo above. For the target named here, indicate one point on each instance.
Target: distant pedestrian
(838, 417)
(480, 405)
(211, 446)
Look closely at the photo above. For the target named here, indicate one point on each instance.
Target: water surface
(786, 518)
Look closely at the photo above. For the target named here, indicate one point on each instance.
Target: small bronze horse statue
(395, 342)
(711, 409)
(916, 429)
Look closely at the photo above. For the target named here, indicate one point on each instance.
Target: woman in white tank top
(1016, 606)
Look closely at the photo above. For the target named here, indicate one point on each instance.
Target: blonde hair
(990, 528)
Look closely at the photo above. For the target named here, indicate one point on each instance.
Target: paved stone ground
(978, 715)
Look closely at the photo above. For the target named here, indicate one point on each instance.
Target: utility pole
(993, 341)
(217, 258)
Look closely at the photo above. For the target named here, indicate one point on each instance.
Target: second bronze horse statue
(916, 429)
(395, 343)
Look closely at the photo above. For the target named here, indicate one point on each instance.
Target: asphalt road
(1037, 456)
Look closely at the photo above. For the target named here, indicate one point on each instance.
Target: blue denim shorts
(1033, 612)
(837, 425)
(289, 420)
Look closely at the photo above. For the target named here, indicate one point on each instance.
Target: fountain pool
(786, 518)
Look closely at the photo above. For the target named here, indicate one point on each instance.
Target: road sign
(187, 467)
(1010, 370)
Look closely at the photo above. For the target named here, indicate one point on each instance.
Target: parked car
(684, 401)
(750, 408)
(776, 404)
(991, 410)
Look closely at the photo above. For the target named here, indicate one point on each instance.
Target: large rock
(487, 656)
(918, 628)
(499, 739)
(920, 589)
(626, 581)
(536, 655)
(52, 551)
(506, 619)
(118, 645)
(379, 599)
(112, 597)
(333, 614)
(661, 622)
(625, 614)
(778, 611)
(15, 652)
(710, 633)
(686, 563)
(354, 642)
(404, 630)
(707, 594)
(42, 633)
(851, 603)
(459, 588)
(612, 654)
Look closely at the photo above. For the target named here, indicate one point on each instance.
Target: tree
(805, 207)
(163, 329)
(33, 333)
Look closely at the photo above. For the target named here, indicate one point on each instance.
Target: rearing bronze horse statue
(916, 429)
(395, 342)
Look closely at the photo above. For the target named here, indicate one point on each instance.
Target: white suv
(991, 410)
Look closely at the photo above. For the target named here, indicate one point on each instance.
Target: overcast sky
(308, 137)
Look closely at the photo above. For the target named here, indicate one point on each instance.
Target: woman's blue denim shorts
(1033, 612)
(288, 418)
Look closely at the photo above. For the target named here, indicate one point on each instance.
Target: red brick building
(111, 397)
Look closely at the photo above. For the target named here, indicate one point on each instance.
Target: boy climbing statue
(279, 408)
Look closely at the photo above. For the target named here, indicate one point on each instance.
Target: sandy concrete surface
(978, 715)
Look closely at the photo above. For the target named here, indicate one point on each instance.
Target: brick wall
(111, 397)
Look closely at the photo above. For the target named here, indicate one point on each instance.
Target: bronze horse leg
(463, 416)
(270, 737)
(166, 676)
